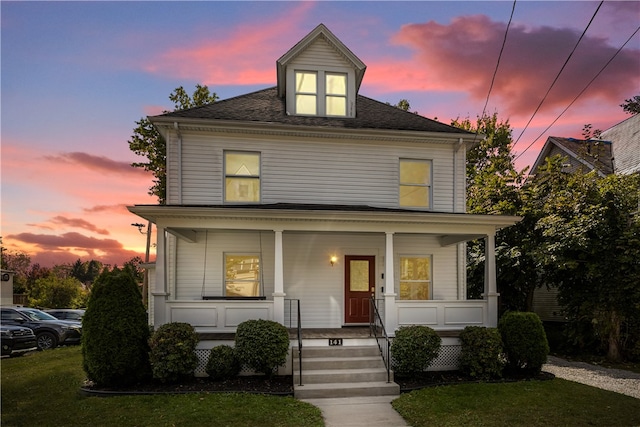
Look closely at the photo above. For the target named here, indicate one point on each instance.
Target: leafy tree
(631, 105)
(590, 247)
(589, 133)
(19, 263)
(146, 140)
(86, 272)
(53, 291)
(494, 186)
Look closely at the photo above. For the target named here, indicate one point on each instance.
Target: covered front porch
(304, 254)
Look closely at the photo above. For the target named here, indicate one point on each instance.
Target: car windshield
(38, 315)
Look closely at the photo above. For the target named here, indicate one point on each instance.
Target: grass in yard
(534, 403)
(42, 389)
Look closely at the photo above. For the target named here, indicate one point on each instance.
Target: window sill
(225, 298)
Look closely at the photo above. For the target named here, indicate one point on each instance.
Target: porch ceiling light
(333, 260)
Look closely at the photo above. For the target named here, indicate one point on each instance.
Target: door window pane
(358, 276)
(242, 275)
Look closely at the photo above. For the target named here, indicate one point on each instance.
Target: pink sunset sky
(77, 75)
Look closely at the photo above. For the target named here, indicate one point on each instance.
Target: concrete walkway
(372, 411)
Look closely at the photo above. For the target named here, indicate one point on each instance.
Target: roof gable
(591, 153)
(320, 34)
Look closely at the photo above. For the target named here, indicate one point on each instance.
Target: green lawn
(534, 403)
(41, 389)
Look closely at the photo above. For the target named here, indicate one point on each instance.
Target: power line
(581, 92)
(558, 75)
(504, 41)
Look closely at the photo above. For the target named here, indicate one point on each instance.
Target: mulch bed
(283, 385)
(432, 379)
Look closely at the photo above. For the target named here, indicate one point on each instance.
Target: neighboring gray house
(311, 192)
(617, 151)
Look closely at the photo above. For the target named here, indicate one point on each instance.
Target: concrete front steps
(342, 371)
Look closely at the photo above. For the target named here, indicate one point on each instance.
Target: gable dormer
(320, 76)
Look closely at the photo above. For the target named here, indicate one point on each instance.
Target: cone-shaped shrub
(173, 352)
(414, 348)
(262, 345)
(525, 342)
(115, 332)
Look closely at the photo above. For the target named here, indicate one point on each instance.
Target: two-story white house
(310, 191)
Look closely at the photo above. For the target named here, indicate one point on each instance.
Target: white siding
(319, 52)
(327, 172)
(197, 276)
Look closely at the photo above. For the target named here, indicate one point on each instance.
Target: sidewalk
(372, 411)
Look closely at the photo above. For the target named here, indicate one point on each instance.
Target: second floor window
(242, 177)
(415, 183)
(321, 93)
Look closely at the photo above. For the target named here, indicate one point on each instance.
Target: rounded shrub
(525, 342)
(414, 348)
(481, 356)
(262, 345)
(223, 363)
(173, 352)
(115, 332)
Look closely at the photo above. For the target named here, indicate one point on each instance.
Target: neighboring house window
(415, 277)
(242, 177)
(242, 275)
(312, 86)
(415, 183)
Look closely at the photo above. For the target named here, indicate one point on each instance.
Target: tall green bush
(262, 345)
(115, 332)
(414, 348)
(481, 355)
(173, 352)
(525, 342)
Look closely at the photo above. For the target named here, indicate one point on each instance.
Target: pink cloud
(79, 223)
(463, 55)
(58, 249)
(242, 55)
(96, 163)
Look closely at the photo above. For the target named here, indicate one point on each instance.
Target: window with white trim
(242, 177)
(415, 183)
(320, 93)
(415, 277)
(242, 275)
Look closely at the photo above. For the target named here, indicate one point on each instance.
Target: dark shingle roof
(266, 106)
(595, 152)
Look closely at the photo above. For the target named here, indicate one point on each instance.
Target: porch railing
(377, 330)
(291, 303)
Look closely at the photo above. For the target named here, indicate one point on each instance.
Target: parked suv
(75, 314)
(50, 332)
(16, 340)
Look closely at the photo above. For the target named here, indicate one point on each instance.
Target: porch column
(390, 311)
(490, 288)
(159, 314)
(278, 279)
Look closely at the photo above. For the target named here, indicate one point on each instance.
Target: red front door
(360, 278)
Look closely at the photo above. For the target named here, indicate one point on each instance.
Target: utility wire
(581, 92)
(558, 75)
(504, 41)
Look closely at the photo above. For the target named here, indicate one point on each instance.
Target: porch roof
(184, 220)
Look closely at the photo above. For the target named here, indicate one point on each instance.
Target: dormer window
(320, 93)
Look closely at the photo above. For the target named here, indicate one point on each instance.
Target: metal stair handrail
(299, 335)
(384, 344)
